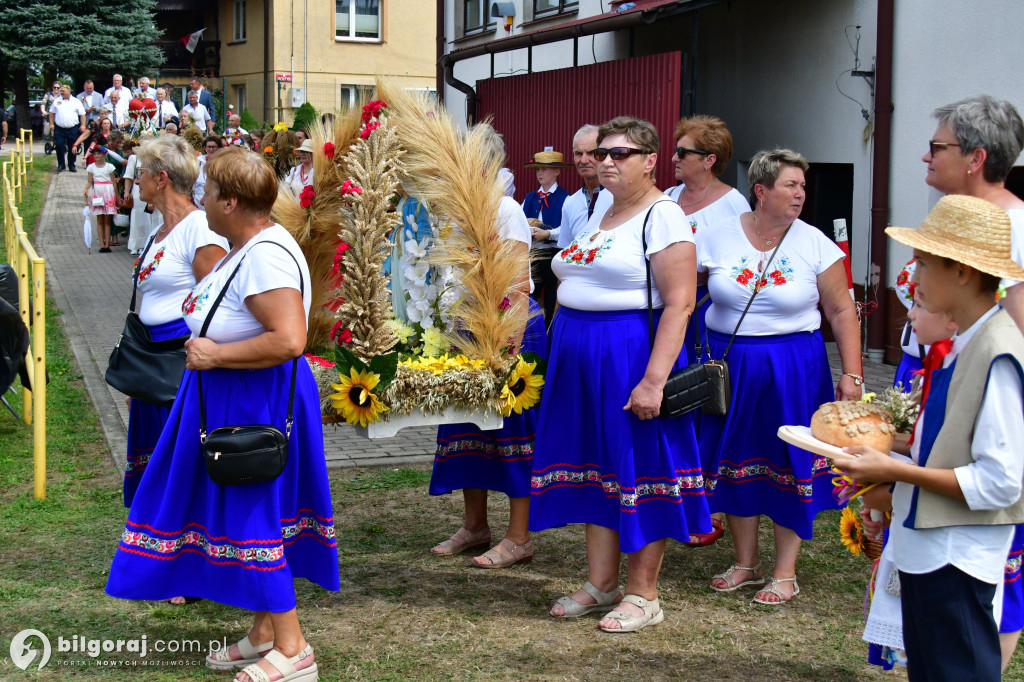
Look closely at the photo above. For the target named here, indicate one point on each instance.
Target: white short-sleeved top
(512, 224)
(101, 173)
(165, 276)
(729, 205)
(788, 300)
(261, 267)
(607, 270)
(1016, 240)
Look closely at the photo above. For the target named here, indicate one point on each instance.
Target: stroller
(49, 146)
(14, 339)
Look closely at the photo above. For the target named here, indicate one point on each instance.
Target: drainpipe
(439, 72)
(266, 59)
(465, 88)
(878, 319)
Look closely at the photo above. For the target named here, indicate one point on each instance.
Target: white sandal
(773, 588)
(755, 570)
(221, 658)
(285, 666)
(573, 609)
(653, 614)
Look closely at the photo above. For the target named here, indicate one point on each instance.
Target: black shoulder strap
(135, 275)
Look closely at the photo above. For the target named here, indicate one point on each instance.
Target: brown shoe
(505, 554)
(463, 540)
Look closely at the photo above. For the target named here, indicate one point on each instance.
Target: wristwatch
(857, 379)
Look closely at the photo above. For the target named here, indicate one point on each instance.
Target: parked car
(35, 117)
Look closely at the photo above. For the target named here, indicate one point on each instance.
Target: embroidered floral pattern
(745, 275)
(578, 255)
(763, 469)
(904, 287)
(137, 463)
(508, 452)
(693, 225)
(151, 268)
(195, 301)
(1013, 565)
(629, 497)
(308, 525)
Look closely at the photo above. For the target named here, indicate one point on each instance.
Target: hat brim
(534, 164)
(914, 238)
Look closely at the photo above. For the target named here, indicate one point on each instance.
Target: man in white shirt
(124, 93)
(166, 112)
(235, 128)
(144, 91)
(67, 121)
(118, 114)
(91, 101)
(590, 198)
(196, 112)
(205, 98)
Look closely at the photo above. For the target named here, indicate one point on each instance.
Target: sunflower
(851, 533)
(522, 390)
(355, 400)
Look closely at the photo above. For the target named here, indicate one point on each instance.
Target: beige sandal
(758, 579)
(221, 658)
(773, 588)
(505, 554)
(462, 541)
(285, 666)
(605, 601)
(653, 614)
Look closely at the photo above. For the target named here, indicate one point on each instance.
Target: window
(352, 95)
(553, 6)
(476, 16)
(239, 99)
(357, 20)
(238, 21)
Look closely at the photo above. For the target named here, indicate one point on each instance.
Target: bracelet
(857, 379)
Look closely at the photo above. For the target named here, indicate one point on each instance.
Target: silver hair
(173, 155)
(766, 166)
(493, 142)
(117, 75)
(584, 130)
(143, 78)
(983, 122)
(161, 90)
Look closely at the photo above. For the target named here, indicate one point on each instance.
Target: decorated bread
(846, 423)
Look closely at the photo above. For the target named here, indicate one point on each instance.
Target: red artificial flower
(369, 128)
(338, 255)
(348, 187)
(306, 196)
(505, 304)
(341, 335)
(329, 150)
(317, 360)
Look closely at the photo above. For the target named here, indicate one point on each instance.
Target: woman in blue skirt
(477, 461)
(182, 251)
(604, 456)
(779, 371)
(240, 544)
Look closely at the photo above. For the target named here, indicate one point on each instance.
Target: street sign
(284, 78)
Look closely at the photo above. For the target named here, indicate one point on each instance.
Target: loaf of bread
(846, 423)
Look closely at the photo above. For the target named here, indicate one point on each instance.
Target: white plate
(801, 437)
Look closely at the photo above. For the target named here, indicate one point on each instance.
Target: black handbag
(702, 384)
(140, 367)
(249, 453)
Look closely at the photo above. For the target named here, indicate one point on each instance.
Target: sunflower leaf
(346, 360)
(542, 364)
(385, 366)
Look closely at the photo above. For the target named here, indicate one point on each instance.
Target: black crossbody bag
(248, 453)
(702, 384)
(140, 367)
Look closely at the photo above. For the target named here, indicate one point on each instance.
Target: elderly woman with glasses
(604, 457)
(778, 367)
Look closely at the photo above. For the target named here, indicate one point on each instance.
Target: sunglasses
(617, 153)
(934, 146)
(681, 152)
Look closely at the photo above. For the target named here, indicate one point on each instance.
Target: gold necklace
(612, 212)
(768, 242)
(706, 190)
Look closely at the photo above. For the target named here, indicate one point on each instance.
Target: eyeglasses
(580, 153)
(934, 146)
(617, 153)
(681, 152)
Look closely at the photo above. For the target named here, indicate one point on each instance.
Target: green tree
(305, 116)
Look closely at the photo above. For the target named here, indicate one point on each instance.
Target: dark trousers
(545, 284)
(65, 138)
(949, 630)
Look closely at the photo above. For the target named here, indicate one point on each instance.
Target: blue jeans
(65, 138)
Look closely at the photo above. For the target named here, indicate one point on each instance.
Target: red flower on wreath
(338, 254)
(505, 304)
(369, 128)
(317, 360)
(349, 187)
(329, 150)
(339, 334)
(373, 109)
(306, 196)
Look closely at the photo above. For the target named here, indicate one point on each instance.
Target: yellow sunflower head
(522, 390)
(851, 533)
(355, 400)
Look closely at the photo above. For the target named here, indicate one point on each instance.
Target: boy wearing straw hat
(956, 502)
(543, 210)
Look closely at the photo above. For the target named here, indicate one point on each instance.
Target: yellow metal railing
(31, 272)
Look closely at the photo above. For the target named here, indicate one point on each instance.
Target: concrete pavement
(92, 290)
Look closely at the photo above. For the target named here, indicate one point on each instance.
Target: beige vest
(999, 336)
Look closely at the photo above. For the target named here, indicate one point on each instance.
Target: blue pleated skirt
(1013, 590)
(775, 380)
(238, 545)
(146, 420)
(905, 371)
(500, 459)
(597, 463)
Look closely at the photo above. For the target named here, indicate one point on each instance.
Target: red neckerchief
(543, 196)
(933, 361)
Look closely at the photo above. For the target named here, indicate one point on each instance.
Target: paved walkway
(93, 290)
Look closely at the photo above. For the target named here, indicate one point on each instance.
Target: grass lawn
(400, 613)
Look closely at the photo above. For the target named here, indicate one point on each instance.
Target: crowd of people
(630, 283)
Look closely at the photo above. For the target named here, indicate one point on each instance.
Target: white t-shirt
(198, 113)
(574, 214)
(788, 300)
(263, 267)
(296, 181)
(199, 188)
(165, 276)
(100, 174)
(606, 270)
(512, 224)
(66, 112)
(731, 204)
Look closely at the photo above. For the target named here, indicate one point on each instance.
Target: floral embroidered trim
(693, 225)
(195, 302)
(1013, 562)
(748, 278)
(578, 256)
(804, 487)
(672, 488)
(903, 288)
(509, 453)
(307, 525)
(151, 268)
(137, 463)
(193, 539)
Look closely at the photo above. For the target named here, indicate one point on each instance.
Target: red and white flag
(190, 41)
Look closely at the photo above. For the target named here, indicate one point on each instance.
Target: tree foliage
(305, 117)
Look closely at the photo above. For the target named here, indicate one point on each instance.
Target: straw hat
(967, 230)
(547, 159)
(306, 146)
